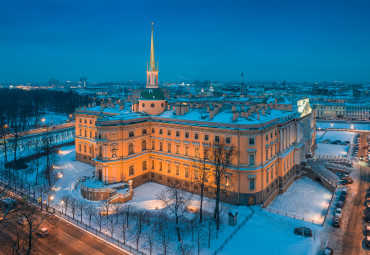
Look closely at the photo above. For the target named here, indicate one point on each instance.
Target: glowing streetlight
(43, 120)
(351, 126)
(331, 125)
(62, 202)
(51, 197)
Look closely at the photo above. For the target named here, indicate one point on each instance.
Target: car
(344, 193)
(336, 222)
(367, 211)
(43, 232)
(340, 204)
(342, 198)
(345, 182)
(8, 204)
(22, 221)
(303, 231)
(367, 231)
(367, 241)
(367, 203)
(361, 158)
(367, 195)
(367, 217)
(328, 251)
(346, 177)
(338, 212)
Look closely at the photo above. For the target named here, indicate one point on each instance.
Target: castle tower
(152, 100)
(152, 70)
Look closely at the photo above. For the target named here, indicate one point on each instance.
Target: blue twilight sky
(216, 40)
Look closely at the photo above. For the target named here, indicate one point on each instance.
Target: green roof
(152, 94)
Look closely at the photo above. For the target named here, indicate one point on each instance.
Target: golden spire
(152, 59)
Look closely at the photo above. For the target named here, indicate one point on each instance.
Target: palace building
(152, 139)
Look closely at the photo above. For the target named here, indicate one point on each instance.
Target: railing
(53, 210)
(234, 232)
(327, 212)
(120, 195)
(97, 189)
(291, 215)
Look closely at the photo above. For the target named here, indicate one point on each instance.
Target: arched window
(143, 145)
(130, 149)
(100, 151)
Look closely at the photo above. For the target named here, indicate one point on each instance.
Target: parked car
(328, 251)
(345, 182)
(346, 177)
(367, 230)
(338, 212)
(8, 204)
(303, 231)
(367, 210)
(342, 198)
(367, 241)
(336, 222)
(340, 204)
(367, 203)
(344, 193)
(43, 232)
(367, 217)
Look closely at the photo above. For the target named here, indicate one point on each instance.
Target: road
(70, 240)
(349, 239)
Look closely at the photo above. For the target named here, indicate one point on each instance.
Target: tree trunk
(201, 203)
(178, 228)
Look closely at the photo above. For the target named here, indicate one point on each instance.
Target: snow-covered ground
(268, 233)
(342, 125)
(324, 149)
(305, 198)
(53, 119)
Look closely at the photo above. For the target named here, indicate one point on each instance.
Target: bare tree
(201, 175)
(90, 211)
(150, 240)
(80, 206)
(37, 163)
(98, 216)
(165, 241)
(210, 231)
(139, 227)
(127, 211)
(221, 157)
(176, 200)
(200, 238)
(66, 201)
(106, 205)
(47, 147)
(4, 132)
(73, 205)
(111, 223)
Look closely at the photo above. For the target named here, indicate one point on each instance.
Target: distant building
(83, 81)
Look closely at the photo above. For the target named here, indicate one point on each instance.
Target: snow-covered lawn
(268, 233)
(324, 149)
(305, 198)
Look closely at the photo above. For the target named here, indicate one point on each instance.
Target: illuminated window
(144, 165)
(196, 152)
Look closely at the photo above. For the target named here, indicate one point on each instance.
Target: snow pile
(305, 198)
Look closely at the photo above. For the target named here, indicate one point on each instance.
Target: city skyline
(109, 41)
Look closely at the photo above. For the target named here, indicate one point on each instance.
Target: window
(186, 134)
(131, 134)
(196, 136)
(271, 134)
(186, 150)
(252, 184)
(267, 137)
(267, 176)
(99, 136)
(153, 130)
(206, 137)
(90, 121)
(131, 170)
(169, 147)
(196, 175)
(114, 152)
(251, 141)
(251, 159)
(85, 133)
(143, 131)
(272, 173)
(271, 151)
(161, 146)
(217, 138)
(81, 132)
(143, 145)
(90, 149)
(160, 131)
(85, 148)
(168, 132)
(144, 165)
(153, 145)
(152, 164)
(177, 148)
(228, 140)
(160, 166)
(168, 168)
(196, 152)
(187, 172)
(177, 133)
(85, 121)
(80, 120)
(267, 154)
(130, 149)
(177, 170)
(79, 147)
(100, 151)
